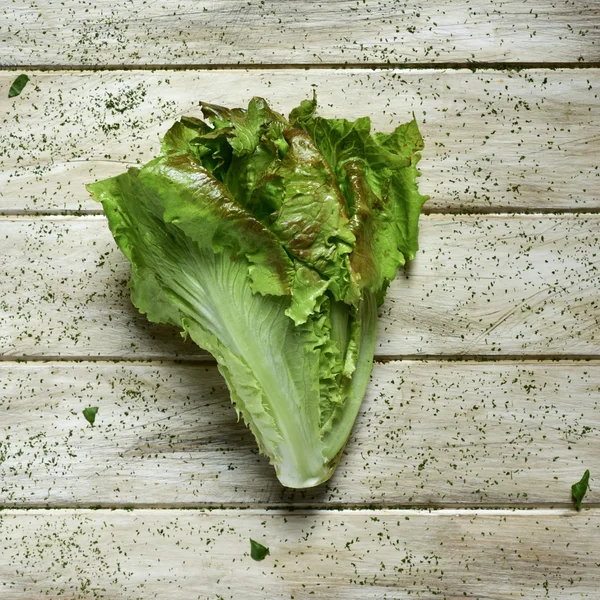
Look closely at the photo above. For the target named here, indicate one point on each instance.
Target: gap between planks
(90, 215)
(498, 359)
(487, 211)
(557, 509)
(473, 66)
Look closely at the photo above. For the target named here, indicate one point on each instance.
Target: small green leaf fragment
(580, 488)
(258, 551)
(17, 85)
(90, 414)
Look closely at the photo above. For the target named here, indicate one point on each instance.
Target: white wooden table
(484, 405)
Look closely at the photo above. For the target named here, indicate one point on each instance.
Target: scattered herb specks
(258, 551)
(17, 85)
(580, 488)
(90, 414)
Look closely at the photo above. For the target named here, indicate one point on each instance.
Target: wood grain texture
(480, 285)
(75, 32)
(446, 435)
(494, 140)
(428, 434)
(365, 555)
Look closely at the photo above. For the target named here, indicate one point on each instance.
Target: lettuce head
(271, 242)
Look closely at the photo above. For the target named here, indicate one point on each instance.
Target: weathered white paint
(139, 32)
(350, 555)
(493, 140)
(428, 434)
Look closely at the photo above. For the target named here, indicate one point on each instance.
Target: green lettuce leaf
(271, 243)
(377, 174)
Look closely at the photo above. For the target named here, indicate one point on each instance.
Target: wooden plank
(364, 555)
(296, 32)
(494, 140)
(481, 285)
(428, 434)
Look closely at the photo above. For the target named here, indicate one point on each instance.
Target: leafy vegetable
(17, 85)
(258, 551)
(580, 488)
(90, 414)
(271, 243)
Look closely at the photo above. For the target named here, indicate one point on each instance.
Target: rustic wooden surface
(430, 433)
(497, 140)
(365, 555)
(482, 285)
(484, 405)
(296, 32)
